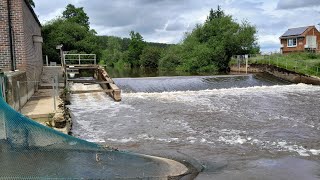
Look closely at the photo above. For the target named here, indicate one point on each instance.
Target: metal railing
(31, 92)
(79, 59)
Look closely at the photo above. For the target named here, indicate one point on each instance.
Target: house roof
(295, 32)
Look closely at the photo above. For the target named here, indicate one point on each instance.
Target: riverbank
(279, 72)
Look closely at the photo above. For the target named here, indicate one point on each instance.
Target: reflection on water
(247, 127)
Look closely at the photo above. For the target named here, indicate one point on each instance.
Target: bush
(150, 57)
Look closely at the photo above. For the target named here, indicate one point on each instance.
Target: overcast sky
(166, 20)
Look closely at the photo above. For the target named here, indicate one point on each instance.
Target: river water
(230, 127)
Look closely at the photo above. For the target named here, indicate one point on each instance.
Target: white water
(125, 122)
(210, 121)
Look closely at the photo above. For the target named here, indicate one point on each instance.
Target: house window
(292, 42)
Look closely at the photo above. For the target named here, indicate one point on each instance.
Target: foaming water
(211, 125)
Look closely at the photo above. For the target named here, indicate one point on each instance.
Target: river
(230, 127)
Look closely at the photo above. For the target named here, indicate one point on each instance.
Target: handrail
(79, 59)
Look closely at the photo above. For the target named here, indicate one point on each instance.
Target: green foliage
(210, 46)
(76, 15)
(150, 57)
(135, 48)
(171, 59)
(74, 36)
(115, 51)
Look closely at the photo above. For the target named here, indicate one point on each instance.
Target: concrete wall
(278, 72)
(18, 97)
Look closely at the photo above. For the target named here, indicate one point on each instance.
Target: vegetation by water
(209, 47)
(305, 63)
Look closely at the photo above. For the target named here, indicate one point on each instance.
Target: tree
(150, 57)
(210, 46)
(73, 31)
(112, 53)
(215, 14)
(31, 2)
(171, 58)
(76, 15)
(135, 48)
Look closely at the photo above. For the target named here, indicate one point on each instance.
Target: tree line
(209, 47)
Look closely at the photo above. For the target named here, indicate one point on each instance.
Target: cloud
(292, 4)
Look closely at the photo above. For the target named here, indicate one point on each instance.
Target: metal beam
(91, 91)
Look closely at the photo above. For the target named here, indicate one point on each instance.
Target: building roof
(32, 12)
(295, 32)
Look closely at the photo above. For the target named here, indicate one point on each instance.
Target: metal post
(54, 94)
(95, 59)
(18, 93)
(3, 128)
(247, 65)
(238, 58)
(27, 90)
(47, 60)
(64, 60)
(79, 60)
(57, 86)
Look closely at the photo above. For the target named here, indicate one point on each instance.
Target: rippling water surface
(245, 127)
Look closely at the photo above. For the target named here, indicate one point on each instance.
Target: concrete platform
(40, 108)
(41, 104)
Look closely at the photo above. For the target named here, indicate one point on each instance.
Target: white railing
(79, 59)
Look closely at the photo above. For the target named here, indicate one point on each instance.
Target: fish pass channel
(251, 126)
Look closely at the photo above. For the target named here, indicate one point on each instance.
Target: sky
(166, 21)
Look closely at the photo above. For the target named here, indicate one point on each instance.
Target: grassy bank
(305, 63)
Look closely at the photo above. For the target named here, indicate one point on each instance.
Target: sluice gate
(78, 67)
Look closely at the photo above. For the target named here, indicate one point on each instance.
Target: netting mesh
(29, 150)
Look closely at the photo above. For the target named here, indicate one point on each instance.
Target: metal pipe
(19, 96)
(47, 60)
(13, 68)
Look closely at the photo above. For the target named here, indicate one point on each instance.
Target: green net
(29, 150)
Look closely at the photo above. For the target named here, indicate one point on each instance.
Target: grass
(304, 63)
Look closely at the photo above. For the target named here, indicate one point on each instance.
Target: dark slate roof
(295, 31)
